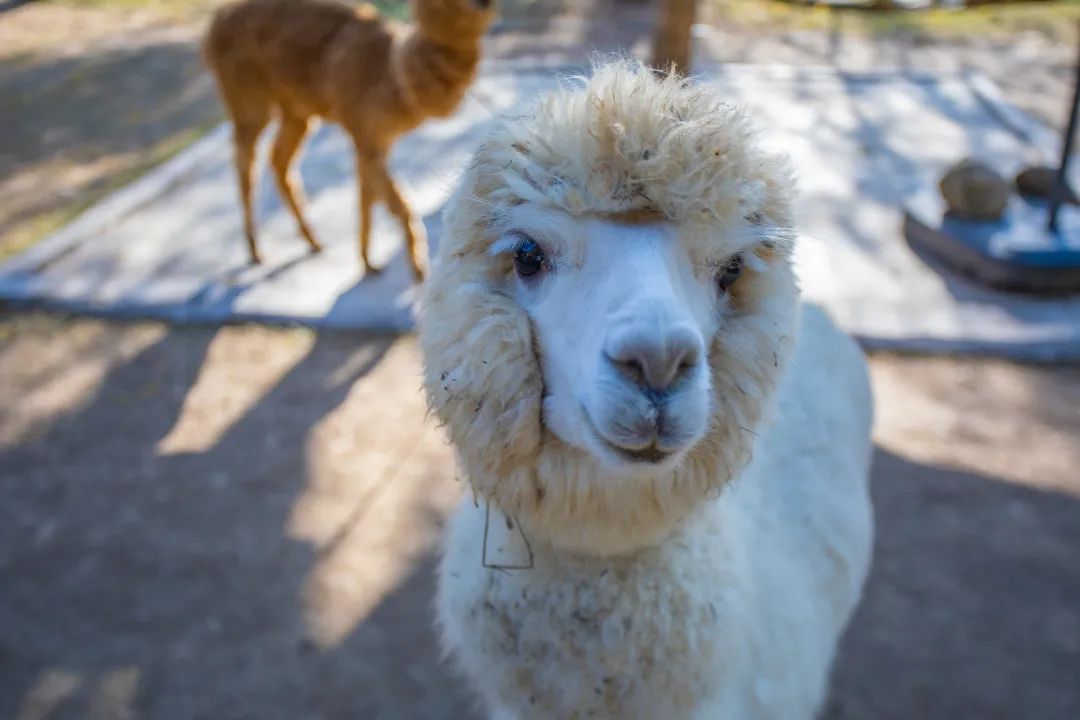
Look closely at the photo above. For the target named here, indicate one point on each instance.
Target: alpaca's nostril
(689, 364)
(635, 370)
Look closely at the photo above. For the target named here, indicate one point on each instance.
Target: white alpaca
(607, 326)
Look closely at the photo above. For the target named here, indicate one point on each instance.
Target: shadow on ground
(81, 125)
(208, 532)
(973, 606)
(143, 576)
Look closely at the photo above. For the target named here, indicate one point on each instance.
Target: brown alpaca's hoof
(418, 262)
(314, 246)
(255, 260)
(370, 269)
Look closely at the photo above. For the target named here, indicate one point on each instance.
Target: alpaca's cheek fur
(563, 417)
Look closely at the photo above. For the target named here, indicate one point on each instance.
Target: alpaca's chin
(638, 463)
(572, 424)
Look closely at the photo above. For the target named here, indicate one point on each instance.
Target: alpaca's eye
(729, 273)
(529, 258)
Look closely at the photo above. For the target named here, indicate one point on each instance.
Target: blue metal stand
(1034, 248)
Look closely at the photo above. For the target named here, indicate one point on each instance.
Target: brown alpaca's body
(305, 59)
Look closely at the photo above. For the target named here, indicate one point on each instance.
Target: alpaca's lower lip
(651, 455)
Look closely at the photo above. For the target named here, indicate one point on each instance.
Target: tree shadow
(410, 679)
(972, 608)
(172, 572)
(100, 110)
(6, 5)
(573, 30)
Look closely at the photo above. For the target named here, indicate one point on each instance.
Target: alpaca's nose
(655, 359)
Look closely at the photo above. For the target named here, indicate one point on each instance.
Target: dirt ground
(241, 523)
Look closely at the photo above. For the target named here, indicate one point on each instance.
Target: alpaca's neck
(432, 76)
(590, 535)
(515, 540)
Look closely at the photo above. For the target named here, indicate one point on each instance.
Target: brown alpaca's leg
(249, 115)
(244, 144)
(415, 235)
(289, 138)
(368, 180)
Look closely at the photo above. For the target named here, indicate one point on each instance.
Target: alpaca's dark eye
(529, 258)
(729, 273)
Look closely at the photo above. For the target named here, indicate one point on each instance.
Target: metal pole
(1057, 195)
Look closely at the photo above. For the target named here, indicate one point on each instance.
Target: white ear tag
(506, 546)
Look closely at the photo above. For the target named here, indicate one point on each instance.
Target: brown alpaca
(320, 58)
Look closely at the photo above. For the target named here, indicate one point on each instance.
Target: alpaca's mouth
(651, 455)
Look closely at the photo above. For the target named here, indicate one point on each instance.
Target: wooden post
(671, 44)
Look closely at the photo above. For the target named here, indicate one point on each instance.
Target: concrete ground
(241, 522)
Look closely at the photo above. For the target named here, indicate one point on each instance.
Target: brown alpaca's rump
(305, 59)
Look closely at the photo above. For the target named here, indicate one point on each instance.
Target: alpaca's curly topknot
(628, 144)
(630, 141)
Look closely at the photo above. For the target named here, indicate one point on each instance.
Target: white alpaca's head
(609, 309)
(621, 314)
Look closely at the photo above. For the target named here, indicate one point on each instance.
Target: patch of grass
(396, 9)
(17, 61)
(37, 227)
(175, 10)
(1056, 20)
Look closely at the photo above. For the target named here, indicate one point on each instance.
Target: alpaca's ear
(482, 378)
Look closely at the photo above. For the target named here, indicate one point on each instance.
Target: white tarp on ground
(171, 244)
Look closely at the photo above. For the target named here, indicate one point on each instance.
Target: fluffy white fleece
(720, 589)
